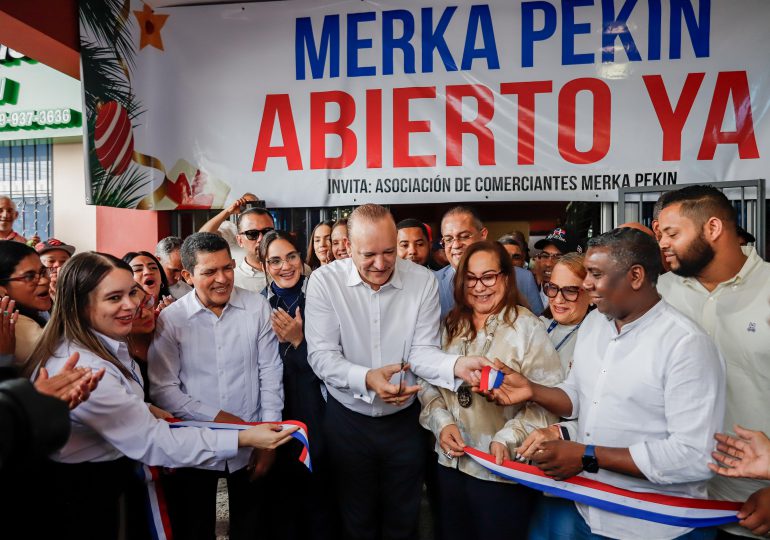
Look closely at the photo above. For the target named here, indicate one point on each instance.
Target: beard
(692, 262)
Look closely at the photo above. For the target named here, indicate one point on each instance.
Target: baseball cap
(52, 244)
(561, 240)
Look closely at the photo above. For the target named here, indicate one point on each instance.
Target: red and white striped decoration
(113, 137)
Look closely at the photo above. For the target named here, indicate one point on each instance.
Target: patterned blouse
(523, 346)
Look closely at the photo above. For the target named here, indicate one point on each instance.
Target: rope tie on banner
(301, 434)
(665, 509)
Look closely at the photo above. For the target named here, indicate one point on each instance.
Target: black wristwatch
(590, 463)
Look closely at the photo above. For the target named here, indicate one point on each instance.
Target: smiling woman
(488, 321)
(24, 278)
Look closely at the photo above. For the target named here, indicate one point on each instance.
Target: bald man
(9, 214)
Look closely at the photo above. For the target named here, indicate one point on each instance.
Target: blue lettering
(698, 29)
(480, 16)
(653, 28)
(433, 39)
(391, 43)
(355, 44)
(613, 28)
(528, 33)
(330, 45)
(570, 29)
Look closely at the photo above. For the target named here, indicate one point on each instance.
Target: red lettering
(602, 111)
(277, 106)
(526, 115)
(456, 126)
(672, 120)
(320, 128)
(373, 129)
(737, 84)
(402, 126)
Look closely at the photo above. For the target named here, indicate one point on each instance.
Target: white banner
(316, 103)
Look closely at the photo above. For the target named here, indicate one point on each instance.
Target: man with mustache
(724, 288)
(215, 358)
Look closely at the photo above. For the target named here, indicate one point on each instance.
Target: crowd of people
(628, 360)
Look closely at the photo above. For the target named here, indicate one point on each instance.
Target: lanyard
(554, 324)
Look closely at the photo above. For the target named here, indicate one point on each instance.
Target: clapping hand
(287, 328)
(744, 456)
(72, 385)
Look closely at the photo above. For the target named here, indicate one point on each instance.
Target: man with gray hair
(167, 252)
(215, 358)
(8, 215)
(372, 327)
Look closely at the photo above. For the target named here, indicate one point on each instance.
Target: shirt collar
(354, 278)
(193, 306)
(250, 270)
(650, 315)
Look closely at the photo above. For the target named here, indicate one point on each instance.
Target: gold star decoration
(150, 25)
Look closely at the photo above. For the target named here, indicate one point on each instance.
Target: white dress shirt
(657, 387)
(735, 314)
(115, 421)
(249, 278)
(200, 364)
(351, 328)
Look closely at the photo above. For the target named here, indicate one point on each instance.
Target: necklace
(464, 394)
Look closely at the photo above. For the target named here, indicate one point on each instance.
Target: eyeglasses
(488, 280)
(570, 294)
(461, 238)
(276, 262)
(517, 257)
(255, 234)
(31, 277)
(148, 302)
(544, 256)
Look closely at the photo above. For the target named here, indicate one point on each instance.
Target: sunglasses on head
(255, 234)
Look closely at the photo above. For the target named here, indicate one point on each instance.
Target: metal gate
(747, 196)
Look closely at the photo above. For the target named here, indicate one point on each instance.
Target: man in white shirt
(647, 387)
(215, 357)
(725, 289)
(364, 316)
(253, 224)
(167, 252)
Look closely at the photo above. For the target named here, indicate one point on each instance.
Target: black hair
(11, 254)
(201, 241)
(131, 255)
(411, 223)
(700, 202)
(630, 247)
(271, 237)
(255, 211)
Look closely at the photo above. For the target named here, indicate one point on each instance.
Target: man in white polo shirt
(725, 288)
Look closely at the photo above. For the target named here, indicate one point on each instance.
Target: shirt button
(588, 434)
(596, 402)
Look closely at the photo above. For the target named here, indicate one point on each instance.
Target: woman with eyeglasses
(319, 248)
(568, 305)
(96, 305)
(25, 280)
(487, 320)
(303, 400)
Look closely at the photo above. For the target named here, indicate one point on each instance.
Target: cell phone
(253, 204)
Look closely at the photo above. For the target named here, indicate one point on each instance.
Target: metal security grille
(747, 196)
(26, 176)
